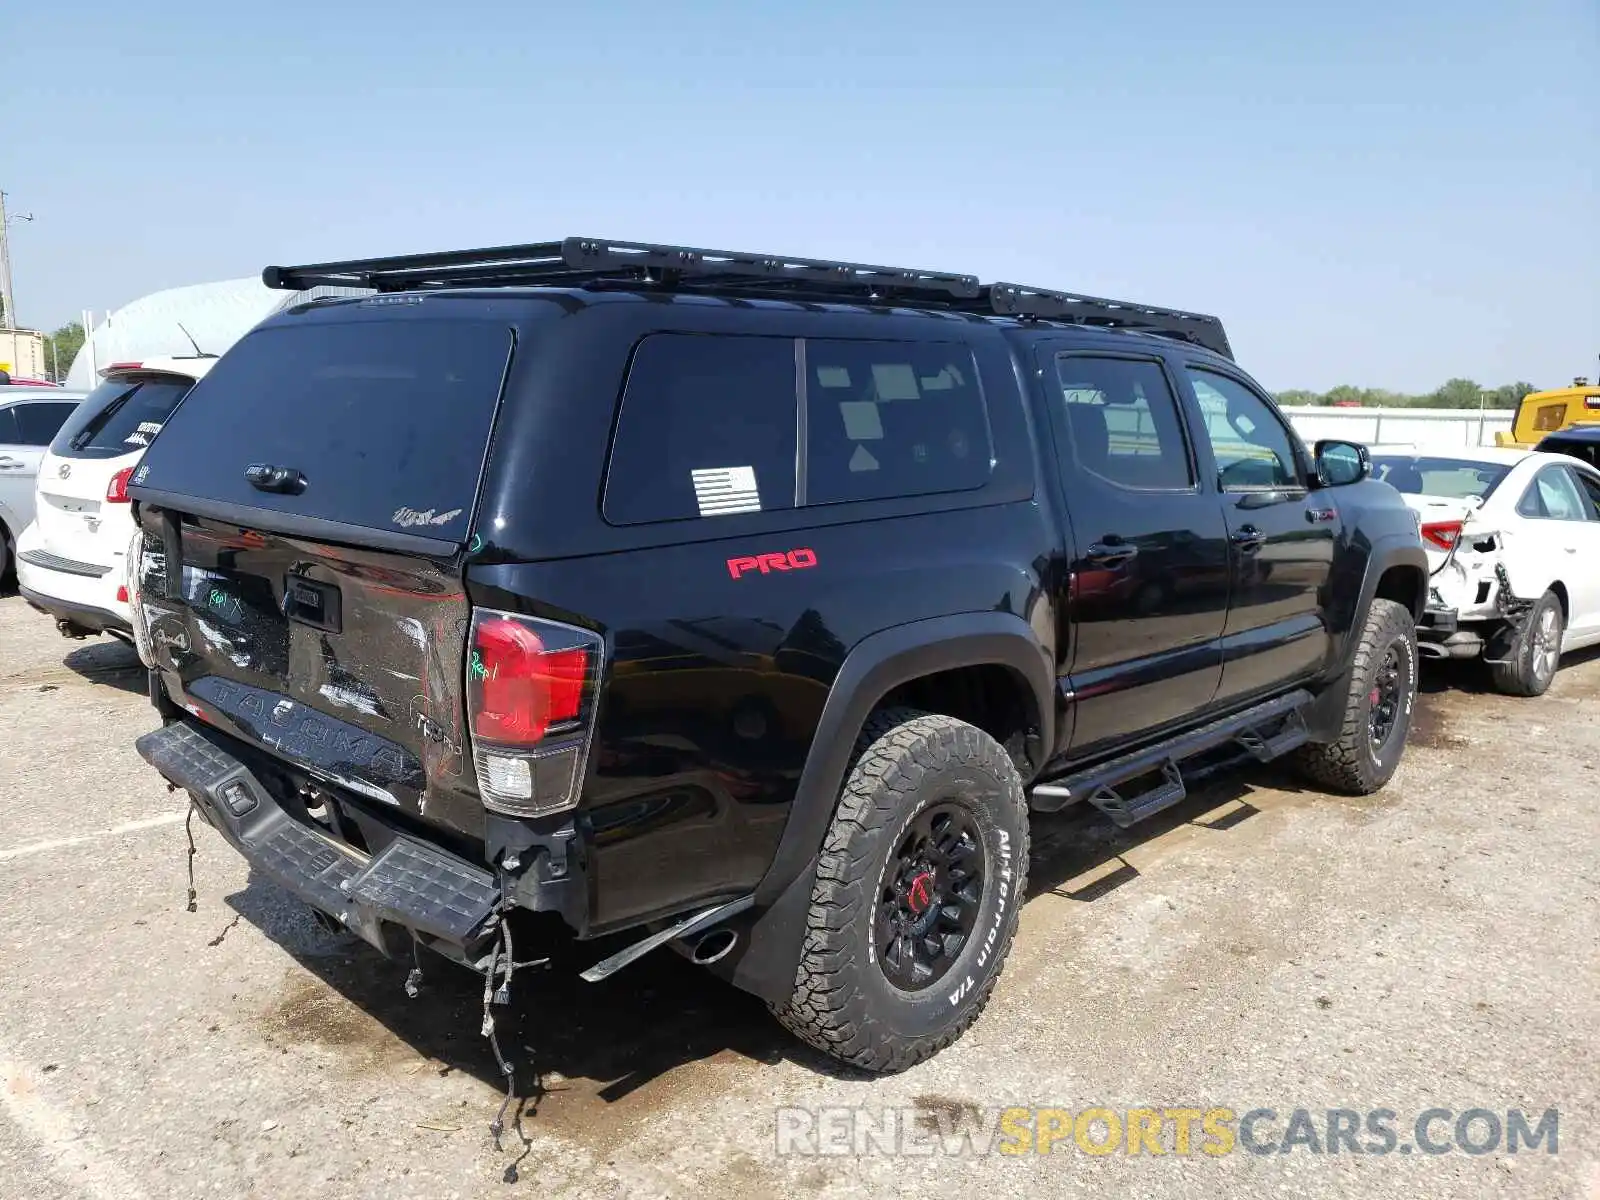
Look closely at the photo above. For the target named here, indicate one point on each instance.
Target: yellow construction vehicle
(1542, 413)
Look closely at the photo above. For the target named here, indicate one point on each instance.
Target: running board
(607, 967)
(1265, 731)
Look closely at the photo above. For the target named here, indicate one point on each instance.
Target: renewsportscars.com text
(959, 1130)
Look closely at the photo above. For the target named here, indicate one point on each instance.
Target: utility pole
(10, 317)
(5, 266)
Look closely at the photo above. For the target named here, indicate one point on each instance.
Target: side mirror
(1342, 463)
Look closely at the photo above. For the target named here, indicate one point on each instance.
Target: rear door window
(1553, 496)
(1124, 422)
(707, 429)
(387, 420)
(120, 416)
(890, 419)
(9, 433)
(38, 422)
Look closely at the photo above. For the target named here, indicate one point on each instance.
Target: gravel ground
(1261, 946)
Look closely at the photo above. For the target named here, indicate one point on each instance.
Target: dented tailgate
(346, 662)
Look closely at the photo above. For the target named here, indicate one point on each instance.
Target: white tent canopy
(216, 315)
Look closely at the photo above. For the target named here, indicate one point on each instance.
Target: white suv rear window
(120, 416)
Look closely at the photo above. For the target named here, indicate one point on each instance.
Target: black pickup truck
(742, 603)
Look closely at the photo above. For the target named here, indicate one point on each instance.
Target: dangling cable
(188, 832)
(502, 939)
(414, 976)
(503, 994)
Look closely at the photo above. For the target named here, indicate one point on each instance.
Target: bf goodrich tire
(919, 886)
(1378, 707)
(1535, 654)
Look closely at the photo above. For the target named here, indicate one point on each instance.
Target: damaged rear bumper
(408, 889)
(1488, 628)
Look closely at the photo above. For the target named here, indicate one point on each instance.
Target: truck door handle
(1102, 555)
(1248, 538)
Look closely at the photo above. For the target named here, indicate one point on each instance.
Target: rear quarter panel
(716, 684)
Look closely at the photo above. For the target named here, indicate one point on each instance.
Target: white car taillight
(531, 687)
(117, 489)
(1441, 534)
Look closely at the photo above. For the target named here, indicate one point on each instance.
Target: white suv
(71, 560)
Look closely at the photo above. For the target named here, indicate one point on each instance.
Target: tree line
(61, 347)
(1456, 393)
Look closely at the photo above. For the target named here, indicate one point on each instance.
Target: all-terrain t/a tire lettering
(1383, 676)
(844, 1001)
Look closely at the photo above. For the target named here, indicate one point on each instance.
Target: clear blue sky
(1383, 193)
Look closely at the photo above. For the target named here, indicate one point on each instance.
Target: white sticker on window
(833, 376)
(862, 460)
(721, 490)
(895, 381)
(861, 420)
(142, 435)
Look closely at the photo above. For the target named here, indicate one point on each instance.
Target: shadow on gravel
(618, 1045)
(1083, 844)
(1471, 676)
(592, 1047)
(107, 661)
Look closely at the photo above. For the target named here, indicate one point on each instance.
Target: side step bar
(1265, 731)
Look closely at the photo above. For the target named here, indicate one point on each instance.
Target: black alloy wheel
(1385, 699)
(932, 891)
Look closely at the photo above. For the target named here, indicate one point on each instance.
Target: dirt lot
(1260, 947)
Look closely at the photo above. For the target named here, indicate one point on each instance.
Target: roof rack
(580, 261)
(1019, 300)
(585, 262)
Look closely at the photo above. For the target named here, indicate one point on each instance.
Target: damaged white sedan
(1513, 541)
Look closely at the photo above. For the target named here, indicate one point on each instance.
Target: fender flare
(876, 665)
(1325, 716)
(1393, 550)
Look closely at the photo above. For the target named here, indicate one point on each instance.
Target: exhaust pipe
(712, 946)
(691, 937)
(1432, 650)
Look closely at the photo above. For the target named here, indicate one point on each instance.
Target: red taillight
(120, 366)
(1442, 534)
(122, 594)
(117, 491)
(522, 688)
(530, 701)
